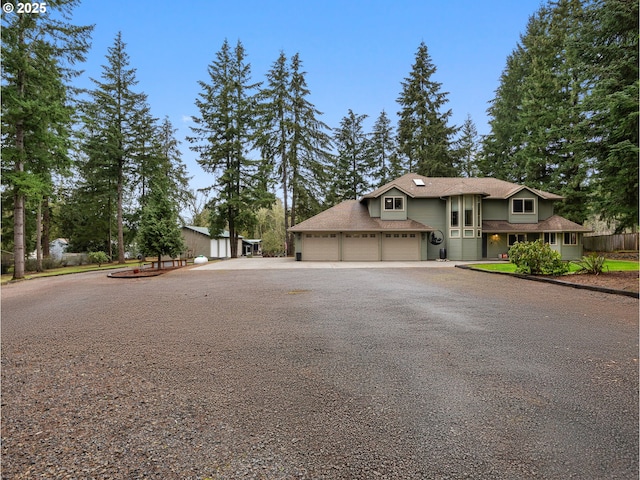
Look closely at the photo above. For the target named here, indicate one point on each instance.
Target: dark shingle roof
(436, 187)
(555, 223)
(353, 216)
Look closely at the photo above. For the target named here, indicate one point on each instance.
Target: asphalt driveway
(312, 373)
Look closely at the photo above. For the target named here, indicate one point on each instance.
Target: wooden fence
(611, 243)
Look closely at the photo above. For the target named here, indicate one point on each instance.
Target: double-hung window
(516, 237)
(570, 238)
(550, 238)
(394, 203)
(523, 205)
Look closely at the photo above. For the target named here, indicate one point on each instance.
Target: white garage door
(400, 246)
(320, 247)
(360, 247)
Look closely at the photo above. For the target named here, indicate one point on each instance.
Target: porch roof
(555, 223)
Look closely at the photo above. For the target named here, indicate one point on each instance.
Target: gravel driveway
(403, 373)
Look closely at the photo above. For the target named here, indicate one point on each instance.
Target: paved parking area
(245, 263)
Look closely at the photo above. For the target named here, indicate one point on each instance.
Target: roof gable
(353, 216)
(436, 187)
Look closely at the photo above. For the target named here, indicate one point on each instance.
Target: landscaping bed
(625, 281)
(621, 273)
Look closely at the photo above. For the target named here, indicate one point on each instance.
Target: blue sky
(356, 53)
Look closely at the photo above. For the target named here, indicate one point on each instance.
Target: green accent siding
(495, 209)
(454, 249)
(545, 209)
(523, 217)
(393, 214)
(374, 207)
(496, 244)
(471, 249)
(570, 252)
(432, 212)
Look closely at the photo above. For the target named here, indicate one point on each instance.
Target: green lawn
(67, 270)
(610, 265)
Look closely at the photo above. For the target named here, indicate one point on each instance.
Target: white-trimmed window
(468, 212)
(455, 216)
(551, 238)
(516, 237)
(394, 203)
(570, 238)
(523, 205)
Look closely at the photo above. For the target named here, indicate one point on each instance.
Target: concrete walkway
(260, 263)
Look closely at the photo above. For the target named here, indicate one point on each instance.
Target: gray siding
(545, 209)
(495, 209)
(392, 214)
(197, 243)
(432, 212)
(524, 217)
(374, 207)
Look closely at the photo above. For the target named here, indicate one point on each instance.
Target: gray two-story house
(424, 218)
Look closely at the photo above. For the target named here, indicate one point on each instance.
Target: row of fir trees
(96, 167)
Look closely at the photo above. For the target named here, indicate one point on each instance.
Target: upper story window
(394, 203)
(468, 211)
(523, 205)
(455, 207)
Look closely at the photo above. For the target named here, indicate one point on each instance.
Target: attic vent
(419, 182)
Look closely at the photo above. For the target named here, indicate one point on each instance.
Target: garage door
(320, 247)
(360, 247)
(400, 246)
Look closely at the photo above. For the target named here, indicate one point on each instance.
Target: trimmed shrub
(537, 258)
(98, 257)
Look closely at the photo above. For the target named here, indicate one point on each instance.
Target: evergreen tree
(536, 139)
(38, 55)
(468, 147)
(384, 152)
(175, 168)
(550, 114)
(116, 121)
(309, 150)
(223, 137)
(610, 58)
(499, 148)
(275, 132)
(159, 232)
(424, 136)
(352, 169)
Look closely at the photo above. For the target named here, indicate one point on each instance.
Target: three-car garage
(360, 246)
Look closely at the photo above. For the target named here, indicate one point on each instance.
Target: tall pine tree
(352, 169)
(610, 57)
(468, 146)
(224, 135)
(309, 151)
(115, 120)
(498, 157)
(536, 137)
(275, 129)
(424, 135)
(38, 57)
(387, 164)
